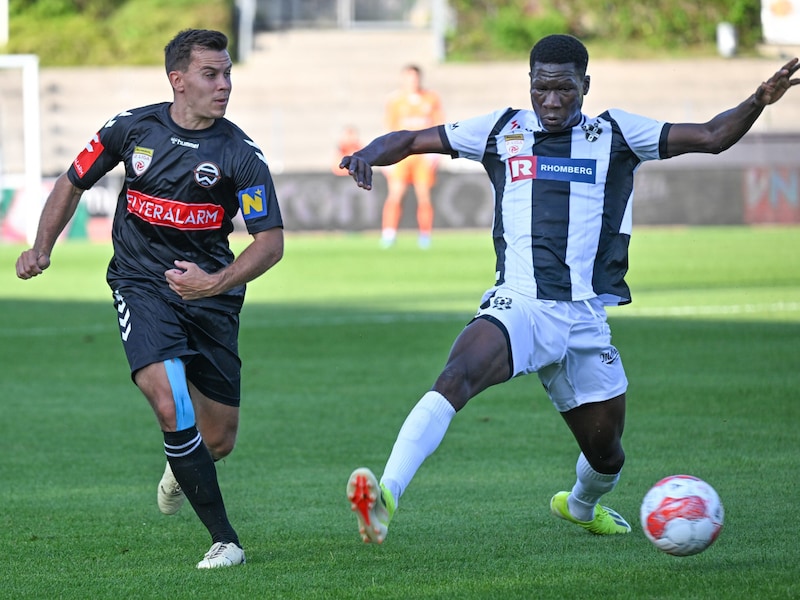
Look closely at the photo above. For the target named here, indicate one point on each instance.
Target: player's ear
(176, 80)
(586, 80)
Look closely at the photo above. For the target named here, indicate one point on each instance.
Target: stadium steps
(300, 88)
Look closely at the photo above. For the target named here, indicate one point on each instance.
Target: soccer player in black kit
(177, 286)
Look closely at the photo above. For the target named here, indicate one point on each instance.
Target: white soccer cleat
(222, 555)
(170, 495)
(372, 503)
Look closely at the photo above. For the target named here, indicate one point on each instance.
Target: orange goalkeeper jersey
(414, 111)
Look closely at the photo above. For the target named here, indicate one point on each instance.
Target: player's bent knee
(453, 384)
(220, 448)
(607, 462)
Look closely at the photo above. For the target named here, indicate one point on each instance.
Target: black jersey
(182, 190)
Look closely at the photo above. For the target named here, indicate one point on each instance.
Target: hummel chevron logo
(124, 319)
(123, 323)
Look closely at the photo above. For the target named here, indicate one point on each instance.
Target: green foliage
(509, 32)
(509, 28)
(107, 32)
(134, 32)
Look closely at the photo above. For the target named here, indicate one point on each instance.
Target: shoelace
(172, 490)
(216, 550)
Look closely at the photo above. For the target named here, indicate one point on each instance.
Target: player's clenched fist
(32, 263)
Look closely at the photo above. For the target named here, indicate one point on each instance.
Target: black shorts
(154, 329)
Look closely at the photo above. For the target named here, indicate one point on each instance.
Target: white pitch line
(698, 311)
(388, 318)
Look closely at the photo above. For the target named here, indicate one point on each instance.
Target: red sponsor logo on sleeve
(171, 213)
(88, 156)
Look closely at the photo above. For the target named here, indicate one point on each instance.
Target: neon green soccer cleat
(606, 521)
(373, 504)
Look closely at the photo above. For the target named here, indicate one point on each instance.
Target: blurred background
(307, 71)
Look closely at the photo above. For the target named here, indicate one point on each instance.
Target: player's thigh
(215, 367)
(479, 358)
(424, 176)
(591, 368)
(400, 175)
(396, 189)
(153, 382)
(535, 334)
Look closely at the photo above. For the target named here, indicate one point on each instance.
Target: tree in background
(107, 32)
(489, 29)
(132, 32)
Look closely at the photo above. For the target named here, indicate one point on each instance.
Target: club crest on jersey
(141, 159)
(206, 174)
(514, 143)
(592, 130)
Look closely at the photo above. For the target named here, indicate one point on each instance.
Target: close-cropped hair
(560, 49)
(178, 53)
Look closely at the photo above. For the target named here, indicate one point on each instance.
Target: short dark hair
(178, 53)
(560, 49)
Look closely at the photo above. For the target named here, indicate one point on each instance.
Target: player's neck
(184, 118)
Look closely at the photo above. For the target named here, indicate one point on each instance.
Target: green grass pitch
(338, 342)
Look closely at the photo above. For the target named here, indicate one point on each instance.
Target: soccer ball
(682, 515)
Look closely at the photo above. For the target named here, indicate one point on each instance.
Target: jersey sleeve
(643, 135)
(101, 154)
(469, 138)
(255, 191)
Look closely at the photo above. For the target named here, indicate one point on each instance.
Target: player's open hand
(190, 282)
(359, 169)
(32, 263)
(775, 87)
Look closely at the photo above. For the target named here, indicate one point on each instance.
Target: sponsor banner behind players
(735, 195)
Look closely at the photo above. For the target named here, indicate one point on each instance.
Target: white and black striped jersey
(562, 217)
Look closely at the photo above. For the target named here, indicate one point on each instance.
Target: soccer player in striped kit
(563, 187)
(177, 286)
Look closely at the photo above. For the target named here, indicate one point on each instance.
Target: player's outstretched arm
(728, 127)
(57, 211)
(389, 149)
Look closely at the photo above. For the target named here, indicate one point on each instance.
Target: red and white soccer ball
(682, 515)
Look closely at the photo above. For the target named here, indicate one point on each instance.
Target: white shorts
(567, 343)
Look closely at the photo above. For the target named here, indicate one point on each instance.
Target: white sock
(588, 489)
(421, 433)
